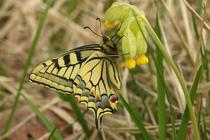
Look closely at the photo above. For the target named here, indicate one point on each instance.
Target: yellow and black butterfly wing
(88, 73)
(59, 73)
(96, 84)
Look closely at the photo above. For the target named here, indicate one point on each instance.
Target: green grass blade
(27, 64)
(203, 52)
(136, 118)
(78, 113)
(204, 127)
(2, 71)
(160, 87)
(51, 134)
(72, 4)
(199, 6)
(183, 127)
(204, 59)
(44, 120)
(195, 27)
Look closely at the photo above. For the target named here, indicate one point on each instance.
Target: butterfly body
(89, 72)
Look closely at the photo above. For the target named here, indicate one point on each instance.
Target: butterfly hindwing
(59, 73)
(94, 86)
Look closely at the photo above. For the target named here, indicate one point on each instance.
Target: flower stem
(180, 77)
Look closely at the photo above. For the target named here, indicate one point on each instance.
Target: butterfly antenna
(87, 27)
(115, 36)
(118, 38)
(100, 26)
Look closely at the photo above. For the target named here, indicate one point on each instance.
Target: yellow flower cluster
(140, 60)
(132, 30)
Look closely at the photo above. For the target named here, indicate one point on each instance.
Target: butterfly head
(108, 45)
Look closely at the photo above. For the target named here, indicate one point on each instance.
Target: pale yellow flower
(142, 59)
(132, 31)
(130, 63)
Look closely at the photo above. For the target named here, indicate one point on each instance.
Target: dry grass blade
(202, 21)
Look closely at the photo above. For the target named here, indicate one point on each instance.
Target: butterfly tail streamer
(98, 122)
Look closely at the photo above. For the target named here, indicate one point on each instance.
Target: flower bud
(130, 63)
(142, 59)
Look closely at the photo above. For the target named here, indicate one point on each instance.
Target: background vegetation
(152, 103)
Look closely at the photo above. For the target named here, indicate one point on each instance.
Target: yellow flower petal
(109, 25)
(130, 63)
(142, 59)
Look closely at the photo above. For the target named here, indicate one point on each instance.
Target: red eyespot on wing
(113, 98)
(91, 93)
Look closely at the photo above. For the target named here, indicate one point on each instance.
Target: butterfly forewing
(59, 73)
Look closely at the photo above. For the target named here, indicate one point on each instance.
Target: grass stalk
(160, 87)
(180, 77)
(185, 119)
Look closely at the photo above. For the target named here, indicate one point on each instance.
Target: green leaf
(185, 119)
(51, 134)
